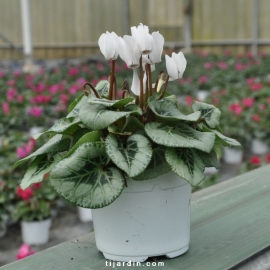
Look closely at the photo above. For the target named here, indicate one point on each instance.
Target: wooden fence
(69, 28)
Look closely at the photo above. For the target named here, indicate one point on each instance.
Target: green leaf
(117, 130)
(132, 125)
(157, 166)
(209, 113)
(180, 135)
(84, 178)
(99, 116)
(209, 159)
(103, 88)
(167, 109)
(133, 157)
(133, 109)
(63, 125)
(223, 140)
(74, 103)
(78, 134)
(54, 145)
(92, 136)
(111, 103)
(186, 164)
(38, 168)
(75, 111)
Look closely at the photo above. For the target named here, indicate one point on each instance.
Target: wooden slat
(229, 223)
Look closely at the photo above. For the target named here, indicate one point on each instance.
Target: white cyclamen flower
(129, 51)
(155, 55)
(143, 38)
(108, 44)
(175, 65)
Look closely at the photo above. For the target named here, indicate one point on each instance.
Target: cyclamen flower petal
(135, 87)
(176, 65)
(143, 38)
(108, 44)
(155, 55)
(129, 51)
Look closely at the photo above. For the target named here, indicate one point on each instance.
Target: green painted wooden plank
(229, 223)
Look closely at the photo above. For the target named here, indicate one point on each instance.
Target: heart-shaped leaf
(223, 140)
(167, 109)
(74, 103)
(180, 135)
(186, 164)
(209, 159)
(75, 111)
(54, 145)
(84, 178)
(99, 116)
(63, 125)
(92, 136)
(103, 88)
(132, 125)
(38, 168)
(157, 166)
(133, 157)
(111, 103)
(209, 113)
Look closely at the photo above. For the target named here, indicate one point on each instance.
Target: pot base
(118, 258)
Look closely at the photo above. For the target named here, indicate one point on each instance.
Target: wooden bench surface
(230, 224)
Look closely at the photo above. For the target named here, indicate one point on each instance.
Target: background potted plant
(34, 210)
(128, 159)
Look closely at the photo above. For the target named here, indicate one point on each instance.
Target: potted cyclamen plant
(34, 209)
(132, 160)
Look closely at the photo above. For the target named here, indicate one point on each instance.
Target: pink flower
(73, 89)
(2, 74)
(216, 101)
(239, 67)
(189, 100)
(41, 87)
(208, 65)
(100, 66)
(36, 185)
(81, 82)
(235, 108)
(248, 102)
(11, 82)
(25, 194)
(24, 251)
(262, 107)
(255, 160)
(53, 89)
(268, 158)
(203, 79)
(256, 86)
(268, 99)
(21, 153)
(223, 92)
(64, 99)
(6, 108)
(41, 71)
(222, 65)
(35, 111)
(11, 93)
(73, 71)
(20, 98)
(256, 118)
(17, 73)
(250, 80)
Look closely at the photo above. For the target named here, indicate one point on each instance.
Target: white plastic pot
(202, 95)
(150, 218)
(35, 130)
(258, 147)
(36, 232)
(210, 171)
(232, 155)
(85, 214)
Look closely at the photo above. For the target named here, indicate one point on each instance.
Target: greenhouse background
(49, 50)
